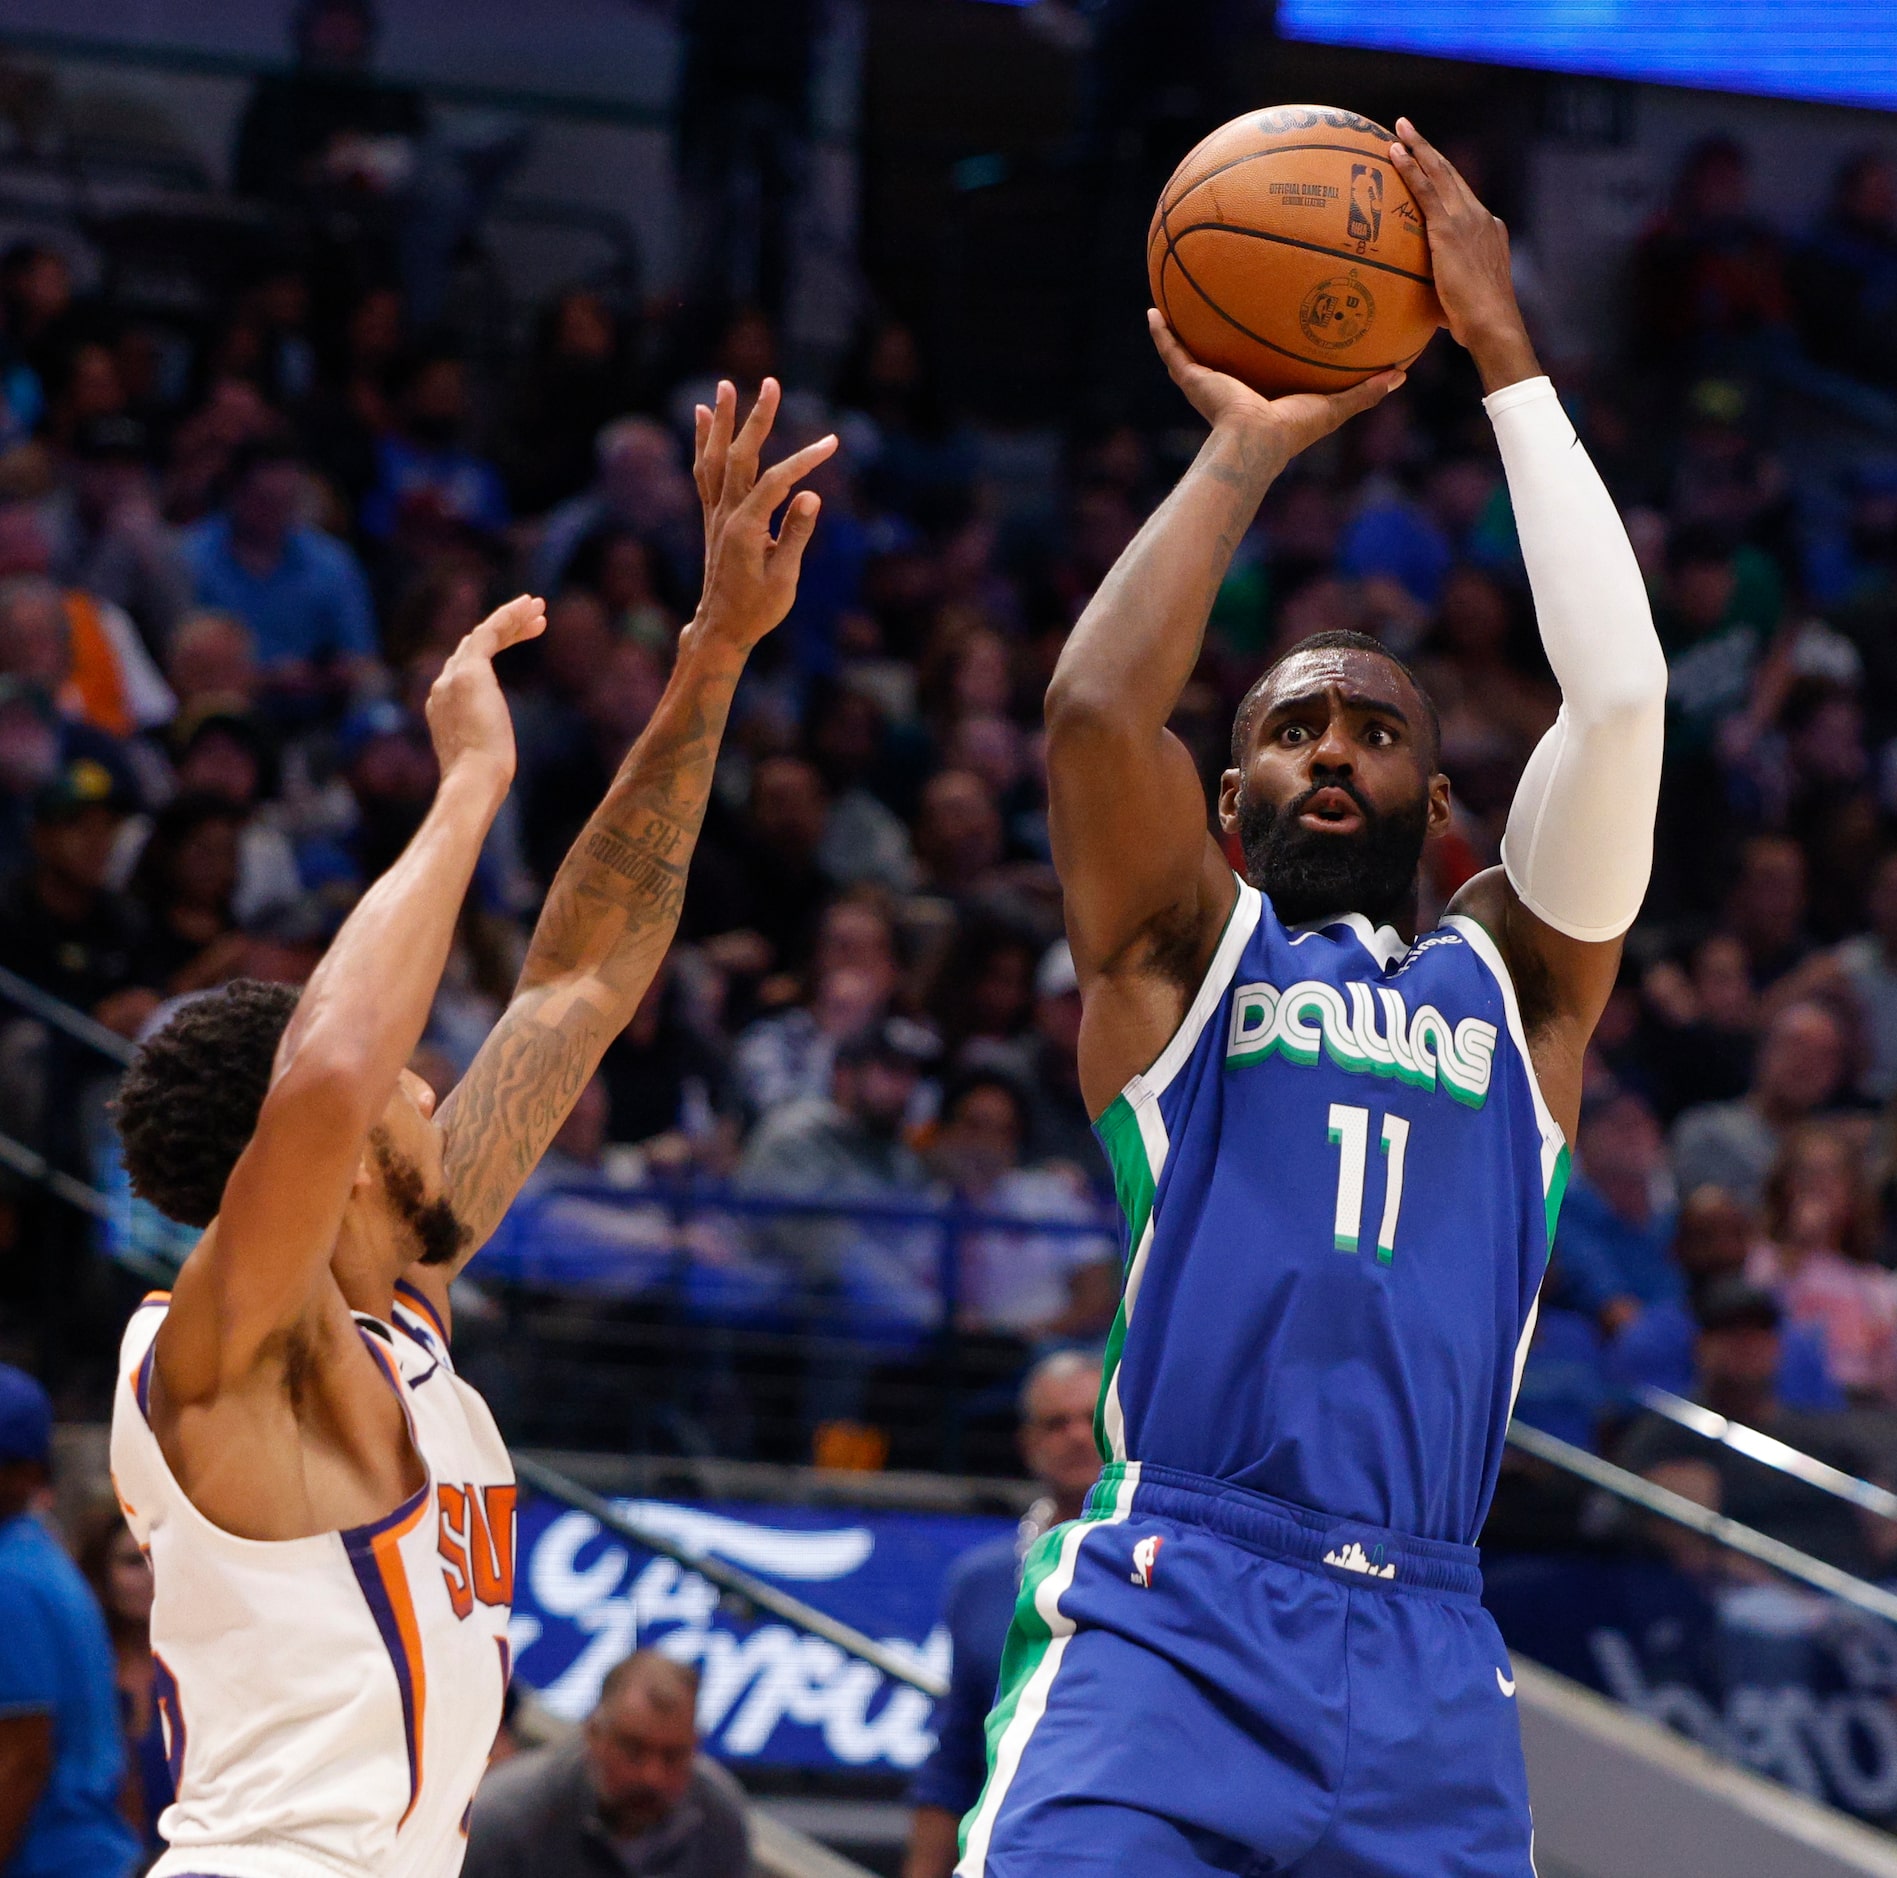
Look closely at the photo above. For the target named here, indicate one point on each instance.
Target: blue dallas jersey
(1340, 1182)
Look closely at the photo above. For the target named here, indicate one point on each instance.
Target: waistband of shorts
(1350, 1551)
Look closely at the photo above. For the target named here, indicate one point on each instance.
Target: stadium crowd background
(229, 572)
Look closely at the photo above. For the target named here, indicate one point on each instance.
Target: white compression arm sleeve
(1579, 843)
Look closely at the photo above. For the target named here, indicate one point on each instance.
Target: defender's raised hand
(750, 574)
(1468, 250)
(468, 717)
(1292, 423)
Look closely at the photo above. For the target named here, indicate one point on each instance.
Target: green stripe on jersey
(1119, 1130)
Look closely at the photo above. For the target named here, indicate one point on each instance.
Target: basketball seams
(1252, 156)
(1291, 241)
(1357, 371)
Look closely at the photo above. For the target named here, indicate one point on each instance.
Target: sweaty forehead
(1349, 669)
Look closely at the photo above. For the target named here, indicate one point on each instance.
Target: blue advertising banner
(1791, 1685)
(768, 1693)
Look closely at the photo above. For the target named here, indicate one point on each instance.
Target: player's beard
(436, 1228)
(1307, 874)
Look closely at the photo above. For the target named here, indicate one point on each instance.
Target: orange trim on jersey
(386, 1548)
(375, 1554)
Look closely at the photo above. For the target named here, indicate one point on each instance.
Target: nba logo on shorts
(1145, 1557)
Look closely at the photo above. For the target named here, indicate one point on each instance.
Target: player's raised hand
(750, 574)
(1292, 423)
(468, 717)
(1468, 251)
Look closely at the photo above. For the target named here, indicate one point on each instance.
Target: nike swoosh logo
(1503, 1683)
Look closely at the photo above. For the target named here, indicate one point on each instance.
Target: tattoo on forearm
(612, 910)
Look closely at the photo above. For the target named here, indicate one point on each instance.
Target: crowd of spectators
(234, 556)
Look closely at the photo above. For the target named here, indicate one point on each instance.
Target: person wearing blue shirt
(301, 592)
(429, 486)
(62, 1753)
(1657, 1348)
(1057, 1445)
(1614, 1242)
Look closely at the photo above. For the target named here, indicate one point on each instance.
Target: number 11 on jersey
(1350, 1135)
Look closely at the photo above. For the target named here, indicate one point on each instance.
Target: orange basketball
(1287, 251)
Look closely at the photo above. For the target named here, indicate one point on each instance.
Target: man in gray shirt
(1801, 1065)
(628, 1797)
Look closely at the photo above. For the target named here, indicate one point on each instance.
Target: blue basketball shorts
(1203, 1679)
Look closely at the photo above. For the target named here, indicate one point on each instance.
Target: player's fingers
(724, 409)
(741, 464)
(1177, 360)
(1359, 398)
(522, 618)
(781, 478)
(1422, 184)
(701, 435)
(1443, 175)
(793, 537)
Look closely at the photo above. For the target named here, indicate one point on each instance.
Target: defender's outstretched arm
(614, 905)
(1579, 844)
(355, 1027)
(1146, 886)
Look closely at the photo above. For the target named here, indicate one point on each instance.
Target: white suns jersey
(328, 1703)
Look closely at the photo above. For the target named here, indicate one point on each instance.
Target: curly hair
(189, 1102)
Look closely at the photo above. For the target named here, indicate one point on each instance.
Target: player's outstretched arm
(354, 1029)
(1579, 844)
(1145, 885)
(614, 905)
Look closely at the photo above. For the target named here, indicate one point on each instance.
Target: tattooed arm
(614, 905)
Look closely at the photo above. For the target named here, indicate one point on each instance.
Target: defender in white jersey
(328, 1508)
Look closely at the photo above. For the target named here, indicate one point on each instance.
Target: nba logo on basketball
(1366, 203)
(1145, 1557)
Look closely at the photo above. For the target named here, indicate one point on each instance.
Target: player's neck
(366, 1263)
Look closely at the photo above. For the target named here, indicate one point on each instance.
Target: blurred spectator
(958, 835)
(1699, 1025)
(628, 1794)
(1057, 1448)
(848, 1146)
(110, 538)
(120, 1577)
(641, 487)
(298, 590)
(983, 996)
(85, 652)
(61, 925)
(1765, 911)
(1867, 963)
(580, 730)
(185, 883)
(1655, 1350)
(864, 839)
(431, 490)
(577, 381)
(789, 1057)
(1060, 1130)
(1617, 1219)
(765, 876)
(1738, 1358)
(1845, 283)
(669, 1078)
(1709, 276)
(1818, 1258)
(212, 665)
(1032, 1285)
(1800, 1070)
(62, 1754)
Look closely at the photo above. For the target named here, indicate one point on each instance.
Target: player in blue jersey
(1340, 1147)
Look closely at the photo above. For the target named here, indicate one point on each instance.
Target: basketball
(1287, 251)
